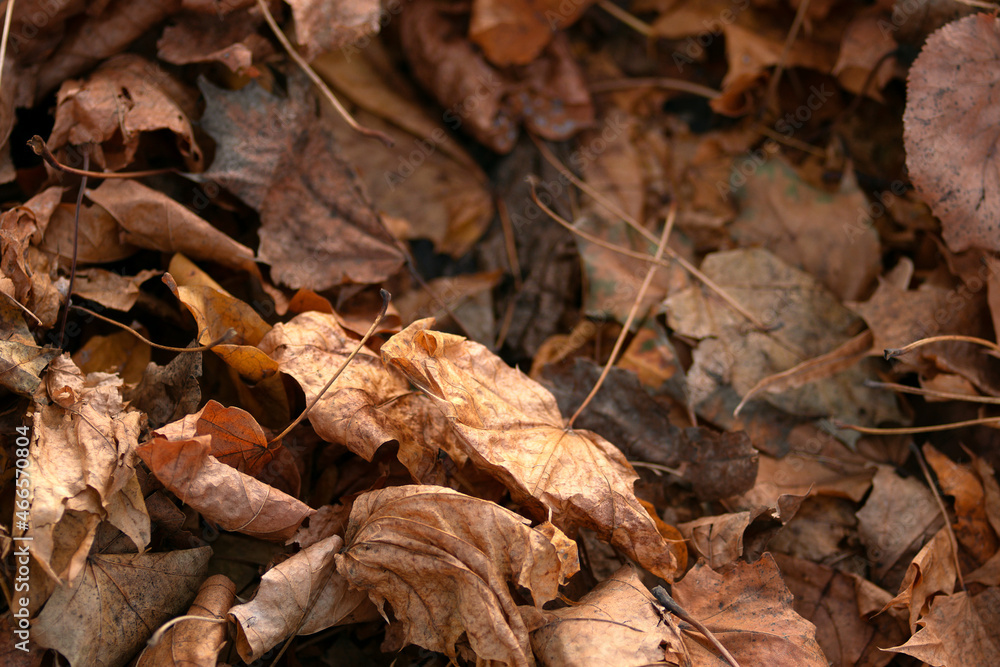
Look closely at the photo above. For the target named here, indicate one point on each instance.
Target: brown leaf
(808, 228)
(835, 601)
(21, 360)
(122, 99)
(199, 38)
(514, 33)
(236, 437)
(110, 289)
(749, 610)
(904, 504)
(167, 393)
(864, 45)
(99, 237)
(949, 130)
(235, 501)
(98, 34)
(324, 26)
(959, 630)
(302, 595)
(216, 313)
(510, 427)
(614, 624)
(155, 221)
(717, 539)
(444, 560)
(808, 321)
(972, 524)
(932, 571)
(83, 459)
(319, 229)
(117, 602)
(548, 94)
(19, 227)
(192, 642)
(367, 406)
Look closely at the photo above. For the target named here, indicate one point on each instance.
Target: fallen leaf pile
(691, 357)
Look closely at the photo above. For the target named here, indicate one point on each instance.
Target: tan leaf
(932, 571)
(515, 32)
(959, 630)
(235, 501)
(204, 38)
(117, 602)
(749, 610)
(717, 539)
(110, 289)
(302, 595)
(949, 130)
(444, 561)
(122, 99)
(83, 459)
(510, 426)
(617, 623)
(155, 221)
(972, 522)
(322, 26)
(192, 642)
(99, 237)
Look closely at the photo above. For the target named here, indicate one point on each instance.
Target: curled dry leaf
(235, 501)
(302, 595)
(931, 572)
(82, 459)
(125, 97)
(510, 426)
(749, 610)
(959, 630)
(617, 623)
(199, 38)
(950, 130)
(117, 602)
(193, 642)
(322, 26)
(21, 359)
(444, 562)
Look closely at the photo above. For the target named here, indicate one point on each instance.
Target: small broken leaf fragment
(445, 561)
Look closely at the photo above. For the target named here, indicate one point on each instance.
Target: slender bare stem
(6, 34)
(667, 83)
(891, 352)
(931, 393)
(944, 512)
(670, 604)
(230, 333)
(906, 430)
(76, 247)
(38, 145)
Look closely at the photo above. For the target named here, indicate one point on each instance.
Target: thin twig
(667, 227)
(779, 69)
(944, 512)
(931, 393)
(23, 308)
(230, 333)
(38, 145)
(331, 98)
(628, 19)
(708, 282)
(371, 330)
(76, 247)
(614, 209)
(8, 15)
(670, 604)
(891, 352)
(906, 430)
(667, 83)
(656, 467)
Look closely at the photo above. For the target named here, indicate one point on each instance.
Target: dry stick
(613, 208)
(38, 145)
(945, 395)
(667, 83)
(6, 33)
(371, 330)
(891, 352)
(670, 604)
(944, 512)
(779, 69)
(789, 141)
(300, 61)
(631, 21)
(906, 430)
(230, 333)
(76, 246)
(667, 227)
(23, 308)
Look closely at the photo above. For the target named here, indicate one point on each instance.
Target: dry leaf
(322, 26)
(510, 426)
(192, 642)
(959, 630)
(932, 571)
(950, 124)
(117, 602)
(444, 561)
(514, 33)
(235, 501)
(198, 38)
(302, 595)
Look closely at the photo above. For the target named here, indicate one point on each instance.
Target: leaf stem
(38, 145)
(670, 604)
(76, 247)
(230, 333)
